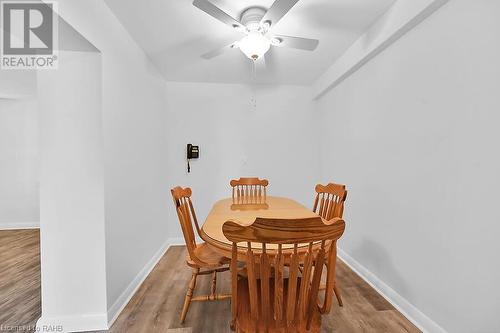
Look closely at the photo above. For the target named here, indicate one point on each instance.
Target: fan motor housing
(251, 17)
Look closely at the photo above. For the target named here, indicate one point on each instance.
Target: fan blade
(277, 10)
(218, 52)
(217, 13)
(297, 42)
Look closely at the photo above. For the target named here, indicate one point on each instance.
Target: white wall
(19, 146)
(17, 84)
(277, 140)
(414, 134)
(72, 194)
(19, 199)
(135, 149)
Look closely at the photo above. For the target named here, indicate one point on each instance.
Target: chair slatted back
(187, 215)
(329, 201)
(249, 190)
(266, 269)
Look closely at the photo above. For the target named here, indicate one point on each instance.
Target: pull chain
(253, 99)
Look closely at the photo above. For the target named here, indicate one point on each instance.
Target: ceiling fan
(257, 24)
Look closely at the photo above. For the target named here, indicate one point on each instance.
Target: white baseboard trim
(118, 306)
(424, 323)
(80, 323)
(19, 225)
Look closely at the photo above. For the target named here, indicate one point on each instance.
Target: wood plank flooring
(20, 305)
(157, 304)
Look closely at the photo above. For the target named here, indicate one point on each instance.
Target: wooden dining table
(245, 214)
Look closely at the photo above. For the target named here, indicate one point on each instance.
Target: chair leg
(189, 294)
(214, 284)
(337, 294)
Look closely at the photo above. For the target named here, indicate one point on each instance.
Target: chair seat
(245, 323)
(208, 256)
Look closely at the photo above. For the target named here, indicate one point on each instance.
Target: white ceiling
(174, 34)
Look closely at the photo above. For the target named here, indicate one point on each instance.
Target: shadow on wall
(372, 252)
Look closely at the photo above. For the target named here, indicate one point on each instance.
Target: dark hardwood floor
(157, 304)
(20, 305)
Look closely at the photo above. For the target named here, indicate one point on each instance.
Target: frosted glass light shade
(254, 45)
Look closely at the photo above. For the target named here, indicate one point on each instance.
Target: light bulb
(254, 45)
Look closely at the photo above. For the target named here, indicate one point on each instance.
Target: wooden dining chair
(200, 257)
(329, 204)
(275, 296)
(249, 190)
(329, 201)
